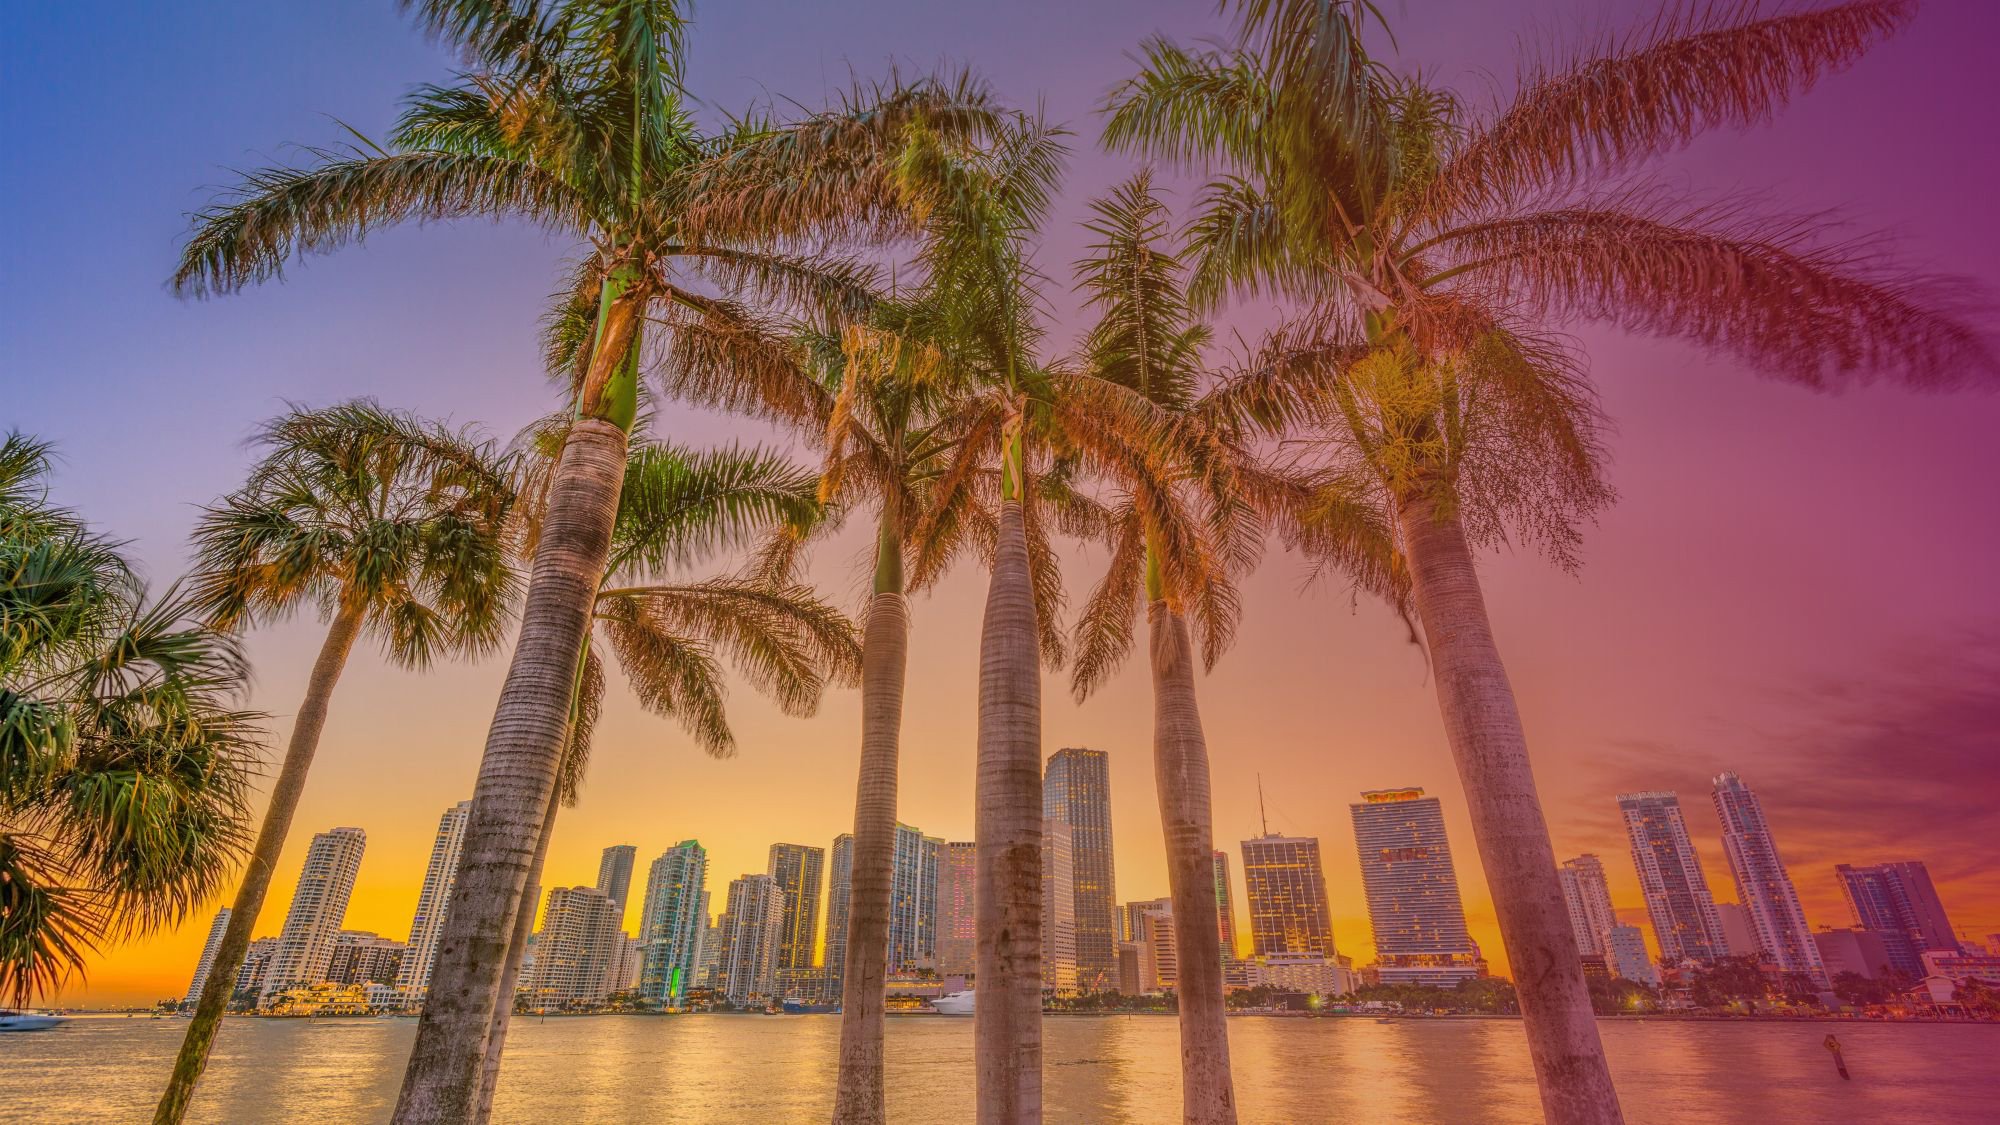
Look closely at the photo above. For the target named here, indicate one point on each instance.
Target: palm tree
(389, 527)
(124, 774)
(1427, 250)
(678, 508)
(573, 120)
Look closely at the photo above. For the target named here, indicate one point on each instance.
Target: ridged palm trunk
(1007, 1020)
(517, 778)
(510, 978)
(285, 794)
(1484, 728)
(858, 1098)
(1180, 772)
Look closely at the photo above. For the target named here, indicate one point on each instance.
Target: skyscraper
(797, 870)
(671, 922)
(1225, 908)
(1059, 958)
(1739, 934)
(913, 899)
(1670, 876)
(319, 906)
(1076, 790)
(362, 957)
(1412, 889)
(577, 948)
(1589, 897)
(1148, 929)
(957, 936)
(1284, 886)
(432, 901)
(1898, 901)
(1625, 953)
(206, 964)
(1762, 882)
(752, 928)
(839, 888)
(614, 875)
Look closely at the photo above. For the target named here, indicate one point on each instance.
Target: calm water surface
(723, 1068)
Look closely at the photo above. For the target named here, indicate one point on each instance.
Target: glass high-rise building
(1076, 790)
(579, 946)
(614, 875)
(672, 919)
(1284, 887)
(1899, 902)
(209, 948)
(751, 929)
(414, 978)
(797, 868)
(1588, 895)
(839, 891)
(958, 932)
(319, 906)
(1670, 877)
(1059, 969)
(1412, 889)
(1225, 908)
(1762, 883)
(913, 899)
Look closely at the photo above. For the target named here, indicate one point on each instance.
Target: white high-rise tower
(208, 950)
(1762, 884)
(432, 902)
(319, 906)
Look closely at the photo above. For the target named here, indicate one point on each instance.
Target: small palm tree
(1429, 252)
(388, 527)
(124, 774)
(574, 119)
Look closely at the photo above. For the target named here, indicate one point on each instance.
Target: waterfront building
(1076, 791)
(1899, 902)
(752, 928)
(319, 906)
(709, 964)
(1225, 908)
(1959, 966)
(1149, 926)
(1861, 952)
(1762, 883)
(913, 900)
(1303, 972)
(839, 887)
(614, 876)
(671, 920)
(628, 966)
(1739, 934)
(1284, 887)
(361, 957)
(1059, 929)
(797, 868)
(957, 934)
(1625, 955)
(256, 966)
(1412, 890)
(414, 978)
(1670, 877)
(1588, 895)
(575, 950)
(206, 963)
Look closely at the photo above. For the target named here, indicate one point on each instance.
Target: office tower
(1739, 934)
(913, 900)
(614, 875)
(797, 870)
(319, 905)
(1284, 887)
(1670, 877)
(1589, 897)
(363, 957)
(1762, 883)
(710, 962)
(958, 936)
(1059, 956)
(1225, 908)
(1412, 889)
(1076, 790)
(1625, 954)
(1898, 901)
(206, 963)
(1155, 958)
(432, 902)
(574, 952)
(671, 921)
(839, 887)
(752, 927)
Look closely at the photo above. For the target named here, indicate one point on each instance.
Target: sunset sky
(1799, 588)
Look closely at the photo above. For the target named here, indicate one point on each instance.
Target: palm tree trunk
(1007, 1020)
(517, 776)
(1180, 772)
(510, 979)
(1484, 728)
(858, 1099)
(285, 794)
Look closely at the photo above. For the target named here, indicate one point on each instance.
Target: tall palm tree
(388, 527)
(124, 773)
(679, 508)
(573, 120)
(1428, 250)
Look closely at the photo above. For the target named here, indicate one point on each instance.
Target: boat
(954, 1004)
(28, 1021)
(796, 1007)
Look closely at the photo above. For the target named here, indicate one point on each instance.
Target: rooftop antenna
(1260, 805)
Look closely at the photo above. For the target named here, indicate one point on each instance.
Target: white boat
(28, 1021)
(954, 1004)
